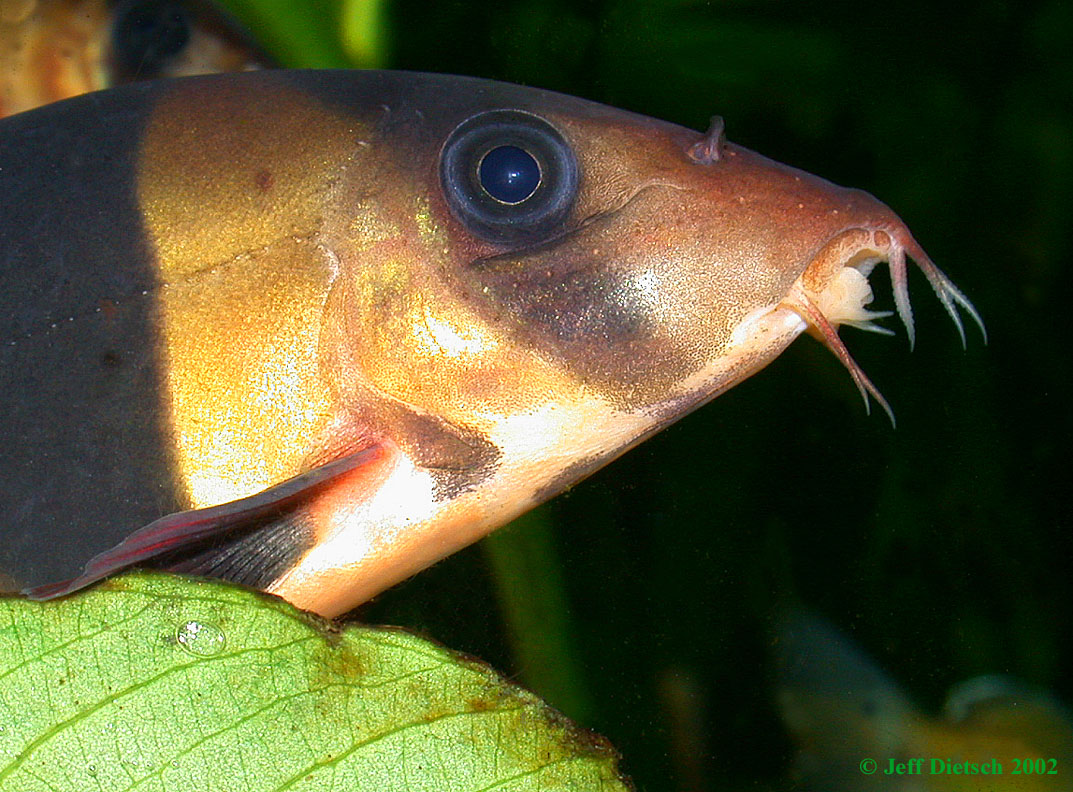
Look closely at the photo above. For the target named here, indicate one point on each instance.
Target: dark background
(942, 546)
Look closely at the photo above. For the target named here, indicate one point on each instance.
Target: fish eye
(509, 176)
(146, 34)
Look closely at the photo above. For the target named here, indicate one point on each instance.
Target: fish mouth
(833, 290)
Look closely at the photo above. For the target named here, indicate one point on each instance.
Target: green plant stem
(534, 605)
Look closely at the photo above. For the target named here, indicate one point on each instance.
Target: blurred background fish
(55, 49)
(842, 709)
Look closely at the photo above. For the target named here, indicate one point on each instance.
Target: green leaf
(297, 33)
(155, 682)
(364, 35)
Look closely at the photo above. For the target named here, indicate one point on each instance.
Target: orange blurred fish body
(321, 329)
(843, 711)
(56, 49)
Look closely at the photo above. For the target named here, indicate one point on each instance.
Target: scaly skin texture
(305, 294)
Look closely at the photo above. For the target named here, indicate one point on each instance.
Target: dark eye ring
(509, 176)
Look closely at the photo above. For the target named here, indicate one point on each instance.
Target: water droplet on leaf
(199, 638)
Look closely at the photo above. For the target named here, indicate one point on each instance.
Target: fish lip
(863, 246)
(836, 279)
(767, 330)
(826, 295)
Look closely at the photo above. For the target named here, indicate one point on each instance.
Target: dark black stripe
(85, 459)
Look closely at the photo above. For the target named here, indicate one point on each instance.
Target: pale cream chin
(379, 541)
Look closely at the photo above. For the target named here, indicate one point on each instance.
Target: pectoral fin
(253, 540)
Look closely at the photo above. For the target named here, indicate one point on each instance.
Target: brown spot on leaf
(339, 663)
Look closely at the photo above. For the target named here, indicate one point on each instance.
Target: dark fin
(254, 554)
(251, 540)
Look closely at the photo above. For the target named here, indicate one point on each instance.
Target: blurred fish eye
(146, 34)
(509, 176)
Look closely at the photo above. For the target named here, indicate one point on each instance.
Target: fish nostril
(710, 149)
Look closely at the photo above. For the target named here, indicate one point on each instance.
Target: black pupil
(509, 174)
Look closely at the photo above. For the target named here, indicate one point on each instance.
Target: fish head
(642, 269)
